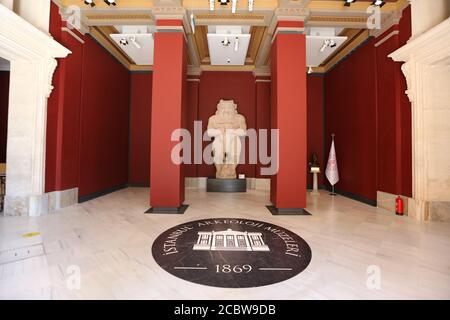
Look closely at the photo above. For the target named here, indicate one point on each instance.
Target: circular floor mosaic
(231, 253)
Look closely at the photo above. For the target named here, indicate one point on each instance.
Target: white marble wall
(428, 13)
(31, 52)
(427, 71)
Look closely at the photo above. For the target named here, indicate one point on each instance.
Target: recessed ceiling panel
(228, 49)
(319, 48)
(139, 47)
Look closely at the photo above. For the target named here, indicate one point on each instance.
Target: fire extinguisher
(399, 206)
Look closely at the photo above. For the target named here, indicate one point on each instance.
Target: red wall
(4, 96)
(239, 86)
(368, 110)
(193, 87)
(88, 117)
(63, 112)
(350, 113)
(259, 116)
(104, 121)
(315, 87)
(263, 115)
(140, 127)
(394, 163)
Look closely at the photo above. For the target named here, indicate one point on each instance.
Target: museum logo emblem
(231, 252)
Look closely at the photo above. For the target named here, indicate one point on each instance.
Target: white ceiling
(314, 56)
(140, 46)
(233, 54)
(316, 51)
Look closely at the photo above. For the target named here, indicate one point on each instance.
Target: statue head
(226, 108)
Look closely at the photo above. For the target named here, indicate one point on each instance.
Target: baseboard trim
(138, 185)
(101, 193)
(353, 196)
(167, 210)
(288, 211)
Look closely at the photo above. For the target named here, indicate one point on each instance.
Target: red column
(168, 111)
(263, 88)
(289, 116)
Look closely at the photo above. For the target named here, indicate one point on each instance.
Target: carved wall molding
(32, 55)
(427, 72)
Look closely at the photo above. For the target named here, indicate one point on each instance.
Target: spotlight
(378, 3)
(111, 2)
(90, 3)
(135, 43)
(328, 44)
(310, 70)
(123, 41)
(236, 44)
(193, 23)
(348, 2)
(223, 2)
(211, 5)
(250, 5)
(226, 42)
(233, 6)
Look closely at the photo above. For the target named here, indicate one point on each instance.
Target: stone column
(288, 186)
(168, 112)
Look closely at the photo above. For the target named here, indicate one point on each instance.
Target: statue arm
(212, 129)
(242, 129)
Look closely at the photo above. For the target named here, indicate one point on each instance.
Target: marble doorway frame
(32, 54)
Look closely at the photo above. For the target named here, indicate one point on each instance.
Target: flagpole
(332, 186)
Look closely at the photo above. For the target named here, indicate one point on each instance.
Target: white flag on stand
(331, 172)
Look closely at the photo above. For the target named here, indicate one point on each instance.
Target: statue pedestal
(226, 185)
(315, 171)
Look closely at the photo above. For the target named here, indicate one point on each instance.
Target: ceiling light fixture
(123, 41)
(225, 42)
(111, 2)
(251, 4)
(135, 43)
(378, 3)
(90, 3)
(348, 2)
(193, 23)
(328, 44)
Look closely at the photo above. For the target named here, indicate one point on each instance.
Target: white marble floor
(109, 239)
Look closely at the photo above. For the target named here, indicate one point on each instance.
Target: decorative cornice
(428, 48)
(390, 35)
(262, 71)
(194, 71)
(73, 34)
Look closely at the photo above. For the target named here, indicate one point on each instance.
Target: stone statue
(226, 126)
